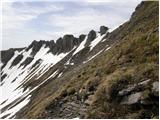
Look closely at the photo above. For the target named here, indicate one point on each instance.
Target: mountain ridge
(109, 75)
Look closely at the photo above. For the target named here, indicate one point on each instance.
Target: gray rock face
(68, 42)
(127, 90)
(81, 38)
(139, 93)
(35, 45)
(132, 99)
(17, 60)
(103, 29)
(27, 61)
(91, 35)
(64, 44)
(6, 55)
(155, 88)
(131, 88)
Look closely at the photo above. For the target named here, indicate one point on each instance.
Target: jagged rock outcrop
(91, 37)
(6, 55)
(27, 61)
(81, 38)
(103, 29)
(66, 43)
(16, 60)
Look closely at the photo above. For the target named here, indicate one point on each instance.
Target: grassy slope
(132, 59)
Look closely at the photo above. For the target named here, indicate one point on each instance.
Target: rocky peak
(68, 37)
(68, 42)
(103, 30)
(91, 37)
(6, 55)
(78, 40)
(36, 45)
(65, 44)
(82, 37)
(62, 44)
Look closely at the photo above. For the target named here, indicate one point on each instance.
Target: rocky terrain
(99, 75)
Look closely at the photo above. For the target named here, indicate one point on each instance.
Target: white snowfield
(11, 87)
(13, 95)
(98, 39)
(81, 46)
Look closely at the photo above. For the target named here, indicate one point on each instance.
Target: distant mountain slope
(26, 69)
(99, 75)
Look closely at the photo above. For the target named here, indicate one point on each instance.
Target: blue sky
(26, 20)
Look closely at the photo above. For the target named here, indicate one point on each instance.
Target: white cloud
(15, 29)
(15, 18)
(84, 21)
(19, 31)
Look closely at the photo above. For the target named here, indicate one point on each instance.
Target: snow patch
(60, 75)
(96, 41)
(12, 92)
(107, 48)
(53, 75)
(11, 112)
(93, 56)
(81, 46)
(68, 62)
